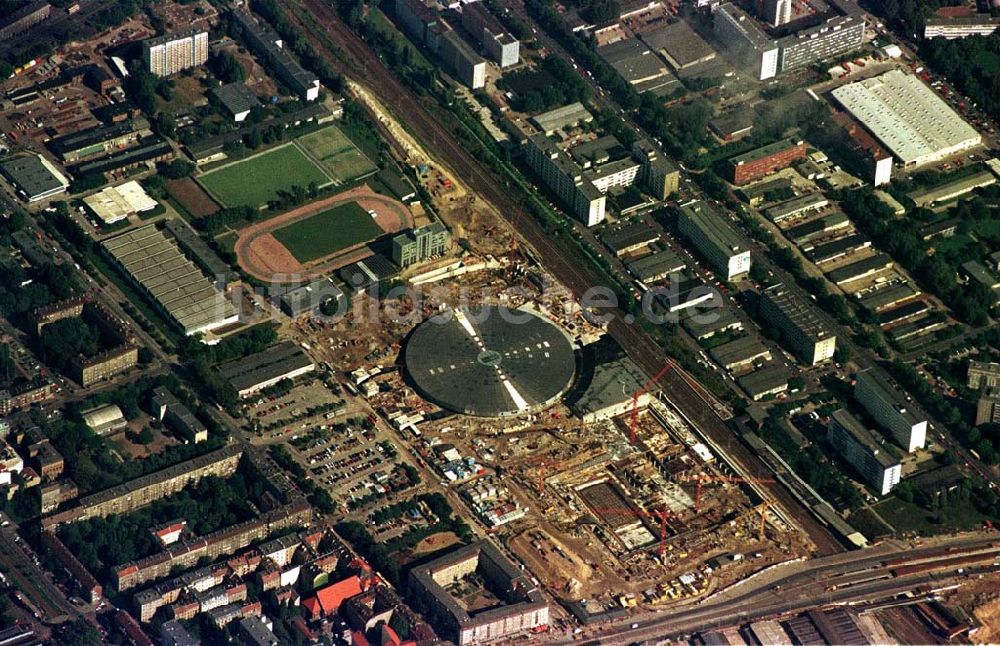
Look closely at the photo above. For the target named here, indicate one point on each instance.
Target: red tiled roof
(313, 606)
(358, 639)
(333, 595)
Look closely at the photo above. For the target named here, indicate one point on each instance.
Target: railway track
(579, 278)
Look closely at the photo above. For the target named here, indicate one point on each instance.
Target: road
(794, 587)
(578, 277)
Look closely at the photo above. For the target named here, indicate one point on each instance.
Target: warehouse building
(199, 251)
(836, 249)
(626, 237)
(639, 66)
(726, 250)
(105, 420)
(680, 46)
(182, 291)
(894, 410)
(740, 353)
(859, 448)
(259, 371)
(706, 324)
(99, 140)
(907, 117)
(152, 150)
(799, 322)
(308, 298)
(765, 382)
(806, 232)
(420, 244)
(763, 161)
(888, 296)
(267, 45)
(903, 313)
(797, 207)
(34, 177)
(861, 269)
(116, 203)
(237, 99)
(503, 48)
(928, 197)
(655, 266)
(563, 118)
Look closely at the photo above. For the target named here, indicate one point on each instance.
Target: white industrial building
(907, 117)
(115, 203)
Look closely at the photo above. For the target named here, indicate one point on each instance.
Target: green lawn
(908, 517)
(328, 232)
(257, 180)
(338, 154)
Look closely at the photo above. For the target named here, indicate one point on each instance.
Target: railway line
(577, 277)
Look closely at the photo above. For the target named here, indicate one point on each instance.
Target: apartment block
(660, 177)
(988, 407)
(565, 178)
(420, 244)
(894, 410)
(861, 450)
(169, 54)
(983, 374)
(269, 47)
(799, 322)
(502, 48)
(726, 250)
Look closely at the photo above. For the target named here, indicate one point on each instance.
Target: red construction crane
(639, 393)
(701, 479)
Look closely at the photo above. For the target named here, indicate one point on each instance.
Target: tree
(64, 340)
(146, 436)
(227, 69)
(177, 169)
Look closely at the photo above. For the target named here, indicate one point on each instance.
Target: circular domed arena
(490, 362)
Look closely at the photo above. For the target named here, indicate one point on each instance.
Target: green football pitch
(328, 232)
(338, 154)
(257, 180)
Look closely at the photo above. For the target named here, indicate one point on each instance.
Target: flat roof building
(182, 291)
(169, 54)
(706, 324)
(977, 24)
(116, 203)
(769, 380)
(861, 269)
(680, 45)
(908, 117)
(726, 250)
(860, 449)
(566, 179)
(626, 237)
(518, 607)
(237, 99)
(983, 374)
(740, 353)
(796, 207)
(259, 371)
(269, 46)
(34, 177)
(503, 48)
(655, 266)
(894, 410)
(763, 161)
(420, 244)
(306, 299)
(610, 391)
(800, 323)
(562, 118)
